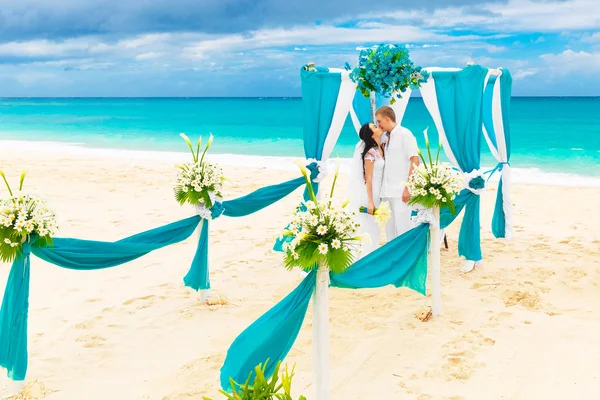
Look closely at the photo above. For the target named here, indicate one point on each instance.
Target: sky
(72, 48)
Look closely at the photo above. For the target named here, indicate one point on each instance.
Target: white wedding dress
(358, 194)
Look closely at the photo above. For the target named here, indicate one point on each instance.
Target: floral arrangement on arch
(321, 233)
(24, 218)
(200, 183)
(434, 184)
(387, 70)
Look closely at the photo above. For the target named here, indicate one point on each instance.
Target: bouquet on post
(321, 233)
(24, 218)
(434, 184)
(200, 183)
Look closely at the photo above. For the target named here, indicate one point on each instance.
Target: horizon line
(234, 97)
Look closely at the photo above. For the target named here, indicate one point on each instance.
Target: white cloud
(148, 56)
(591, 38)
(513, 16)
(569, 61)
(524, 73)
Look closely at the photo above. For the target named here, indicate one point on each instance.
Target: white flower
(314, 220)
(321, 230)
(336, 243)
(310, 205)
(323, 248)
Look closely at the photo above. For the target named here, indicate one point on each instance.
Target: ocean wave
(519, 175)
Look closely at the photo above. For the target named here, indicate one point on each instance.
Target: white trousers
(400, 220)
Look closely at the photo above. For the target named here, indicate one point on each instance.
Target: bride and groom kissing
(383, 160)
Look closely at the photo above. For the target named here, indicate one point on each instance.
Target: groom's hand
(405, 195)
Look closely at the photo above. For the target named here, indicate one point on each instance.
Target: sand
(522, 326)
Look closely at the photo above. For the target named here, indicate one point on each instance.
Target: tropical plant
(263, 388)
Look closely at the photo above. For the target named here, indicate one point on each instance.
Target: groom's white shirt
(400, 146)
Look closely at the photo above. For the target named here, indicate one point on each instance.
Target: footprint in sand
(460, 358)
(91, 342)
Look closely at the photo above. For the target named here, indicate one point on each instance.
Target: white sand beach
(523, 326)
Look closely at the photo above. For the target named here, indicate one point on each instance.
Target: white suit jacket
(400, 146)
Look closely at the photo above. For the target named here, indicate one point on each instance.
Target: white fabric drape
(400, 105)
(430, 99)
(342, 108)
(500, 153)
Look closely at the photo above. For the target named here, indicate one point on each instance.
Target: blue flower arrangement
(387, 70)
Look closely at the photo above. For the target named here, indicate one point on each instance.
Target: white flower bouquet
(24, 217)
(199, 182)
(433, 183)
(321, 234)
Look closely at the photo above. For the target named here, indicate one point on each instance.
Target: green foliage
(263, 388)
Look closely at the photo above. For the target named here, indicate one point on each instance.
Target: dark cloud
(57, 19)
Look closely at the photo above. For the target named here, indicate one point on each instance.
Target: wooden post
(321, 334)
(434, 264)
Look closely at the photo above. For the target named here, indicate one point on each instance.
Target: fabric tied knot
(423, 215)
(214, 211)
(498, 167)
(475, 181)
(318, 170)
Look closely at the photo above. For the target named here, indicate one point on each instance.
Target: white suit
(400, 146)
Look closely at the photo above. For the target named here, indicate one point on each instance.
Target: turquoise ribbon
(498, 167)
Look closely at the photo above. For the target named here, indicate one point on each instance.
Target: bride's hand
(371, 208)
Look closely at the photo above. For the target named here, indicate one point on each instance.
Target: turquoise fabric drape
(91, 255)
(260, 198)
(460, 100)
(319, 96)
(362, 108)
(14, 318)
(77, 254)
(402, 263)
(198, 276)
(269, 337)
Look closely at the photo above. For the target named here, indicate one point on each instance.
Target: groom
(401, 155)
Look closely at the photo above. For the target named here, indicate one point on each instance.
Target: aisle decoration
(24, 218)
(87, 255)
(433, 186)
(315, 233)
(321, 233)
(200, 183)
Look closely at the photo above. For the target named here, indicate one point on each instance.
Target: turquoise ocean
(559, 136)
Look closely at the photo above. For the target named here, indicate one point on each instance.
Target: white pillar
(321, 334)
(434, 263)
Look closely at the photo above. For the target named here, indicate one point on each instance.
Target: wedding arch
(465, 104)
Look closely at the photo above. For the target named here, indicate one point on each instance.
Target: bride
(366, 177)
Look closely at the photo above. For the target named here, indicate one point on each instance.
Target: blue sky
(255, 48)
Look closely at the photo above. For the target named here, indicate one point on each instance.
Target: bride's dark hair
(366, 135)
